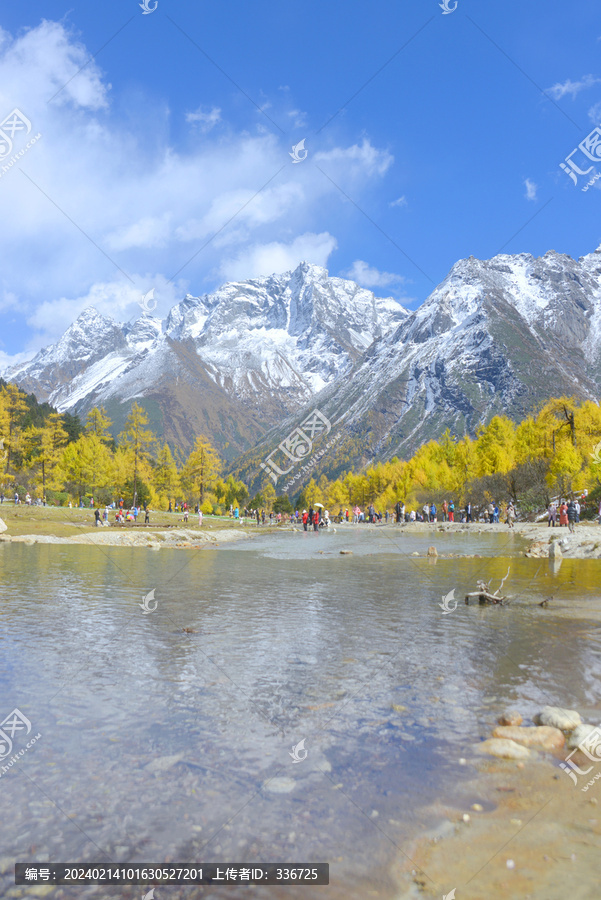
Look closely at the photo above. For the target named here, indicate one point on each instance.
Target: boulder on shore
(542, 738)
(506, 749)
(580, 734)
(557, 717)
(432, 551)
(555, 550)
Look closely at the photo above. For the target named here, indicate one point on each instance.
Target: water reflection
(163, 744)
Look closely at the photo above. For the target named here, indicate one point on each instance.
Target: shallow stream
(163, 745)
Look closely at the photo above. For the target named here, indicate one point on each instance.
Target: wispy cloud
(107, 195)
(370, 277)
(400, 201)
(559, 90)
(205, 120)
(594, 113)
(531, 189)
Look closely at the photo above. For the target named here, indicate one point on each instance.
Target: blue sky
(164, 161)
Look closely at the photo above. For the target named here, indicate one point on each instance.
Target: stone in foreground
(557, 717)
(510, 718)
(503, 748)
(580, 733)
(542, 738)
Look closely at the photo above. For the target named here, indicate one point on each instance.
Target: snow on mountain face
(269, 344)
(495, 337)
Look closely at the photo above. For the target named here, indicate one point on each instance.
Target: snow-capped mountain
(496, 336)
(228, 364)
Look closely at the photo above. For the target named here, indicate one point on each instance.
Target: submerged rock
(282, 785)
(506, 749)
(510, 718)
(557, 717)
(542, 738)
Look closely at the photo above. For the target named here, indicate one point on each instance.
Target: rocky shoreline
(526, 829)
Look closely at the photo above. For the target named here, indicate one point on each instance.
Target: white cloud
(299, 118)
(363, 158)
(275, 257)
(205, 120)
(370, 277)
(102, 198)
(117, 299)
(558, 91)
(150, 231)
(594, 114)
(401, 201)
(531, 189)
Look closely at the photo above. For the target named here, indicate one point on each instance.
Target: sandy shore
(534, 836)
(176, 538)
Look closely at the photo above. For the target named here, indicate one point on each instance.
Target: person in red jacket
(305, 518)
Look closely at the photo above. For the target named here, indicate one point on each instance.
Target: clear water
(160, 745)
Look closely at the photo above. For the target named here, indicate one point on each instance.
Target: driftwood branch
(486, 597)
(485, 594)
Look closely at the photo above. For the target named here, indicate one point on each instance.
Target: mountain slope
(228, 364)
(496, 336)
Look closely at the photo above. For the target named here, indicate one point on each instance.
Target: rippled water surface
(161, 745)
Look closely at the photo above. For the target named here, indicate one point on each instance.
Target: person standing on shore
(451, 511)
(491, 513)
(468, 512)
(305, 519)
(552, 515)
(97, 521)
(510, 514)
(563, 514)
(572, 515)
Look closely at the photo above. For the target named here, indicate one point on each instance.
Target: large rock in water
(555, 550)
(3, 526)
(543, 738)
(504, 748)
(556, 717)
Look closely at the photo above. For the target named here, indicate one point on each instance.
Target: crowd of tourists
(568, 513)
